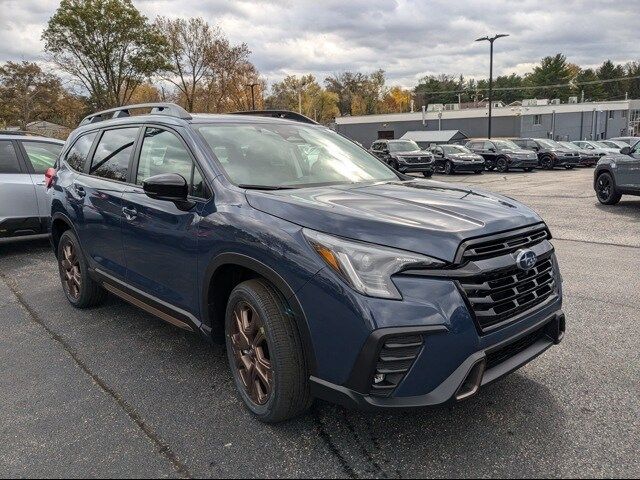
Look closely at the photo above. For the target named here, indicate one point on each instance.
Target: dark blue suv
(327, 273)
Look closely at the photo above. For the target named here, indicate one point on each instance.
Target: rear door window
(113, 154)
(8, 158)
(80, 151)
(42, 155)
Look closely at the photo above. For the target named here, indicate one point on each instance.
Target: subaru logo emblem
(526, 259)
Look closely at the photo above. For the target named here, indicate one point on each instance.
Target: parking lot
(114, 391)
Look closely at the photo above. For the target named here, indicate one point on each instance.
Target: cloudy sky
(407, 38)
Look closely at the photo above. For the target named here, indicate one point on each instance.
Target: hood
(520, 151)
(421, 216)
(412, 153)
(465, 156)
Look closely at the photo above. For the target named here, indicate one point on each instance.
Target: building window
(537, 119)
(385, 134)
(624, 114)
(611, 112)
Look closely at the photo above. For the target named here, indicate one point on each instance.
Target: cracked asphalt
(114, 392)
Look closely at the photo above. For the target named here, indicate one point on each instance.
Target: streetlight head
(482, 39)
(500, 35)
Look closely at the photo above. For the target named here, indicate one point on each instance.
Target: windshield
(601, 145)
(506, 145)
(403, 146)
(290, 156)
(570, 146)
(453, 149)
(549, 143)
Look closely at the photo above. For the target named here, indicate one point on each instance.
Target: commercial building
(529, 118)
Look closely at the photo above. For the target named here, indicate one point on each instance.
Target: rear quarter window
(8, 158)
(79, 152)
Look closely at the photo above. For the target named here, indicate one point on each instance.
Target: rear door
(160, 238)
(100, 189)
(18, 205)
(40, 156)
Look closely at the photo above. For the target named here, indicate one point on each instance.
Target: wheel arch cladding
(224, 273)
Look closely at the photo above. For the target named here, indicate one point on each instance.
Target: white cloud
(407, 38)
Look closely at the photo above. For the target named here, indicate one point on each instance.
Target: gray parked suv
(618, 174)
(24, 205)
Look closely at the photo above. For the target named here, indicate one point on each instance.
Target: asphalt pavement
(114, 392)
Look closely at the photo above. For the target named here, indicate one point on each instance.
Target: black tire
(427, 174)
(477, 172)
(502, 165)
(490, 168)
(87, 292)
(569, 167)
(547, 163)
(606, 189)
(289, 394)
(449, 169)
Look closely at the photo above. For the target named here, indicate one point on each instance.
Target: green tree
(584, 85)
(439, 89)
(305, 94)
(363, 91)
(608, 71)
(551, 71)
(632, 86)
(107, 45)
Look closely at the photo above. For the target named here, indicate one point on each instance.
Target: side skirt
(163, 310)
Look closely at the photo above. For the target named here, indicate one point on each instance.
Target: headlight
(364, 266)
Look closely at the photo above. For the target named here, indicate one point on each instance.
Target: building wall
(568, 126)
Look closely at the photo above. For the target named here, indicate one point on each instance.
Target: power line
(532, 87)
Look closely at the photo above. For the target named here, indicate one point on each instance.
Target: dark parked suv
(456, 158)
(503, 155)
(551, 154)
(618, 174)
(327, 273)
(404, 156)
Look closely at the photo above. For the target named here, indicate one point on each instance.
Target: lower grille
(502, 294)
(505, 353)
(394, 361)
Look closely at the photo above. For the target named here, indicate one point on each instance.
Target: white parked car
(24, 205)
(598, 148)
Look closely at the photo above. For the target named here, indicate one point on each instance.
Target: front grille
(503, 354)
(502, 294)
(417, 159)
(503, 245)
(394, 361)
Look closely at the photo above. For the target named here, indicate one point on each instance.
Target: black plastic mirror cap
(167, 186)
(625, 150)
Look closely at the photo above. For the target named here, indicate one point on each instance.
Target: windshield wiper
(265, 187)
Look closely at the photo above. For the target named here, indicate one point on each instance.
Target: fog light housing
(378, 378)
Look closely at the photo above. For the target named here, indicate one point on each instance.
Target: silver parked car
(24, 206)
(600, 149)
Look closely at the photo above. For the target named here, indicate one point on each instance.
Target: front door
(160, 238)
(100, 189)
(629, 169)
(18, 205)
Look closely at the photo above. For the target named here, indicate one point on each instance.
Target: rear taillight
(49, 178)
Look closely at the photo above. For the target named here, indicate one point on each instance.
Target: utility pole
(491, 40)
(253, 97)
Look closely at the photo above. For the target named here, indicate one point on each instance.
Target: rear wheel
(477, 172)
(265, 353)
(569, 167)
(80, 289)
(528, 169)
(427, 174)
(606, 190)
(502, 165)
(448, 167)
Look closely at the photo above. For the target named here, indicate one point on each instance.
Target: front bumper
(479, 369)
(567, 161)
(589, 161)
(415, 167)
(468, 166)
(523, 163)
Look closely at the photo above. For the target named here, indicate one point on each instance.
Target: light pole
(491, 40)
(253, 97)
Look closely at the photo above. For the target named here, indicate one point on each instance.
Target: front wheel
(427, 174)
(547, 163)
(502, 165)
(448, 167)
(569, 167)
(606, 190)
(79, 288)
(265, 352)
(528, 169)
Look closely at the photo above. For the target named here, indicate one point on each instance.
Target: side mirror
(170, 187)
(625, 150)
(491, 149)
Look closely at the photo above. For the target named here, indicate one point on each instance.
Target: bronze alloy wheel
(251, 353)
(71, 270)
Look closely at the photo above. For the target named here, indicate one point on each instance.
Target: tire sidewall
(242, 294)
(612, 193)
(501, 165)
(68, 237)
(448, 167)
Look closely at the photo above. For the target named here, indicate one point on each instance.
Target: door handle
(129, 213)
(80, 191)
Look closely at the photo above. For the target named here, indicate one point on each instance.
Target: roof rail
(286, 114)
(17, 132)
(169, 109)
